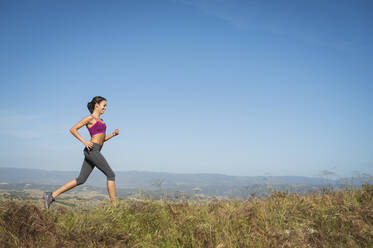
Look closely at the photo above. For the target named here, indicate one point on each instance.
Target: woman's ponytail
(91, 104)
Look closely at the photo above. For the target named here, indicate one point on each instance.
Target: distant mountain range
(207, 183)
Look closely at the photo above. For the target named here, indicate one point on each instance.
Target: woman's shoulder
(87, 118)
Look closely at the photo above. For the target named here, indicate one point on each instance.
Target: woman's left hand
(116, 132)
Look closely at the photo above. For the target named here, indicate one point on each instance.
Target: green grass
(334, 218)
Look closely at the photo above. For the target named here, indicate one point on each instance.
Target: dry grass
(342, 218)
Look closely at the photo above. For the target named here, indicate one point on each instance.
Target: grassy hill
(332, 218)
(209, 184)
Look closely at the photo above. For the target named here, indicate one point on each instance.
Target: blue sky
(232, 87)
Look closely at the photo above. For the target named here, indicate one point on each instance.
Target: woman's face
(101, 107)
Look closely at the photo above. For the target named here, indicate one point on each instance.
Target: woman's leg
(85, 171)
(100, 162)
(111, 191)
(67, 186)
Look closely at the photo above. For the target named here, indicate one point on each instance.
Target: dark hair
(96, 99)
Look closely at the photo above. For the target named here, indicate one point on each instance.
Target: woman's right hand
(88, 144)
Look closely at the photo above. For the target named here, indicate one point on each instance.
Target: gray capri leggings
(92, 158)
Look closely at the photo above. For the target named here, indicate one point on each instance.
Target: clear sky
(194, 86)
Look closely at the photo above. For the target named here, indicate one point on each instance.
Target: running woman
(92, 155)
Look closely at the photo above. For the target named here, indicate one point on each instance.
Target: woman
(92, 154)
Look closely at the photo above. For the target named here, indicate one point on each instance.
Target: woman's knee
(80, 180)
(111, 176)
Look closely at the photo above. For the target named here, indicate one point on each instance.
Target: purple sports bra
(98, 127)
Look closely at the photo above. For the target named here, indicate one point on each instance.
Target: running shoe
(48, 199)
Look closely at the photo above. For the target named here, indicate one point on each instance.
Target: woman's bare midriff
(98, 138)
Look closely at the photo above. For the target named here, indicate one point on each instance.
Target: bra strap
(95, 118)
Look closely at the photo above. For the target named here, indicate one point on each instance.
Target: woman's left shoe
(48, 199)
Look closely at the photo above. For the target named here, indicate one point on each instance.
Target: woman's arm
(115, 133)
(82, 122)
